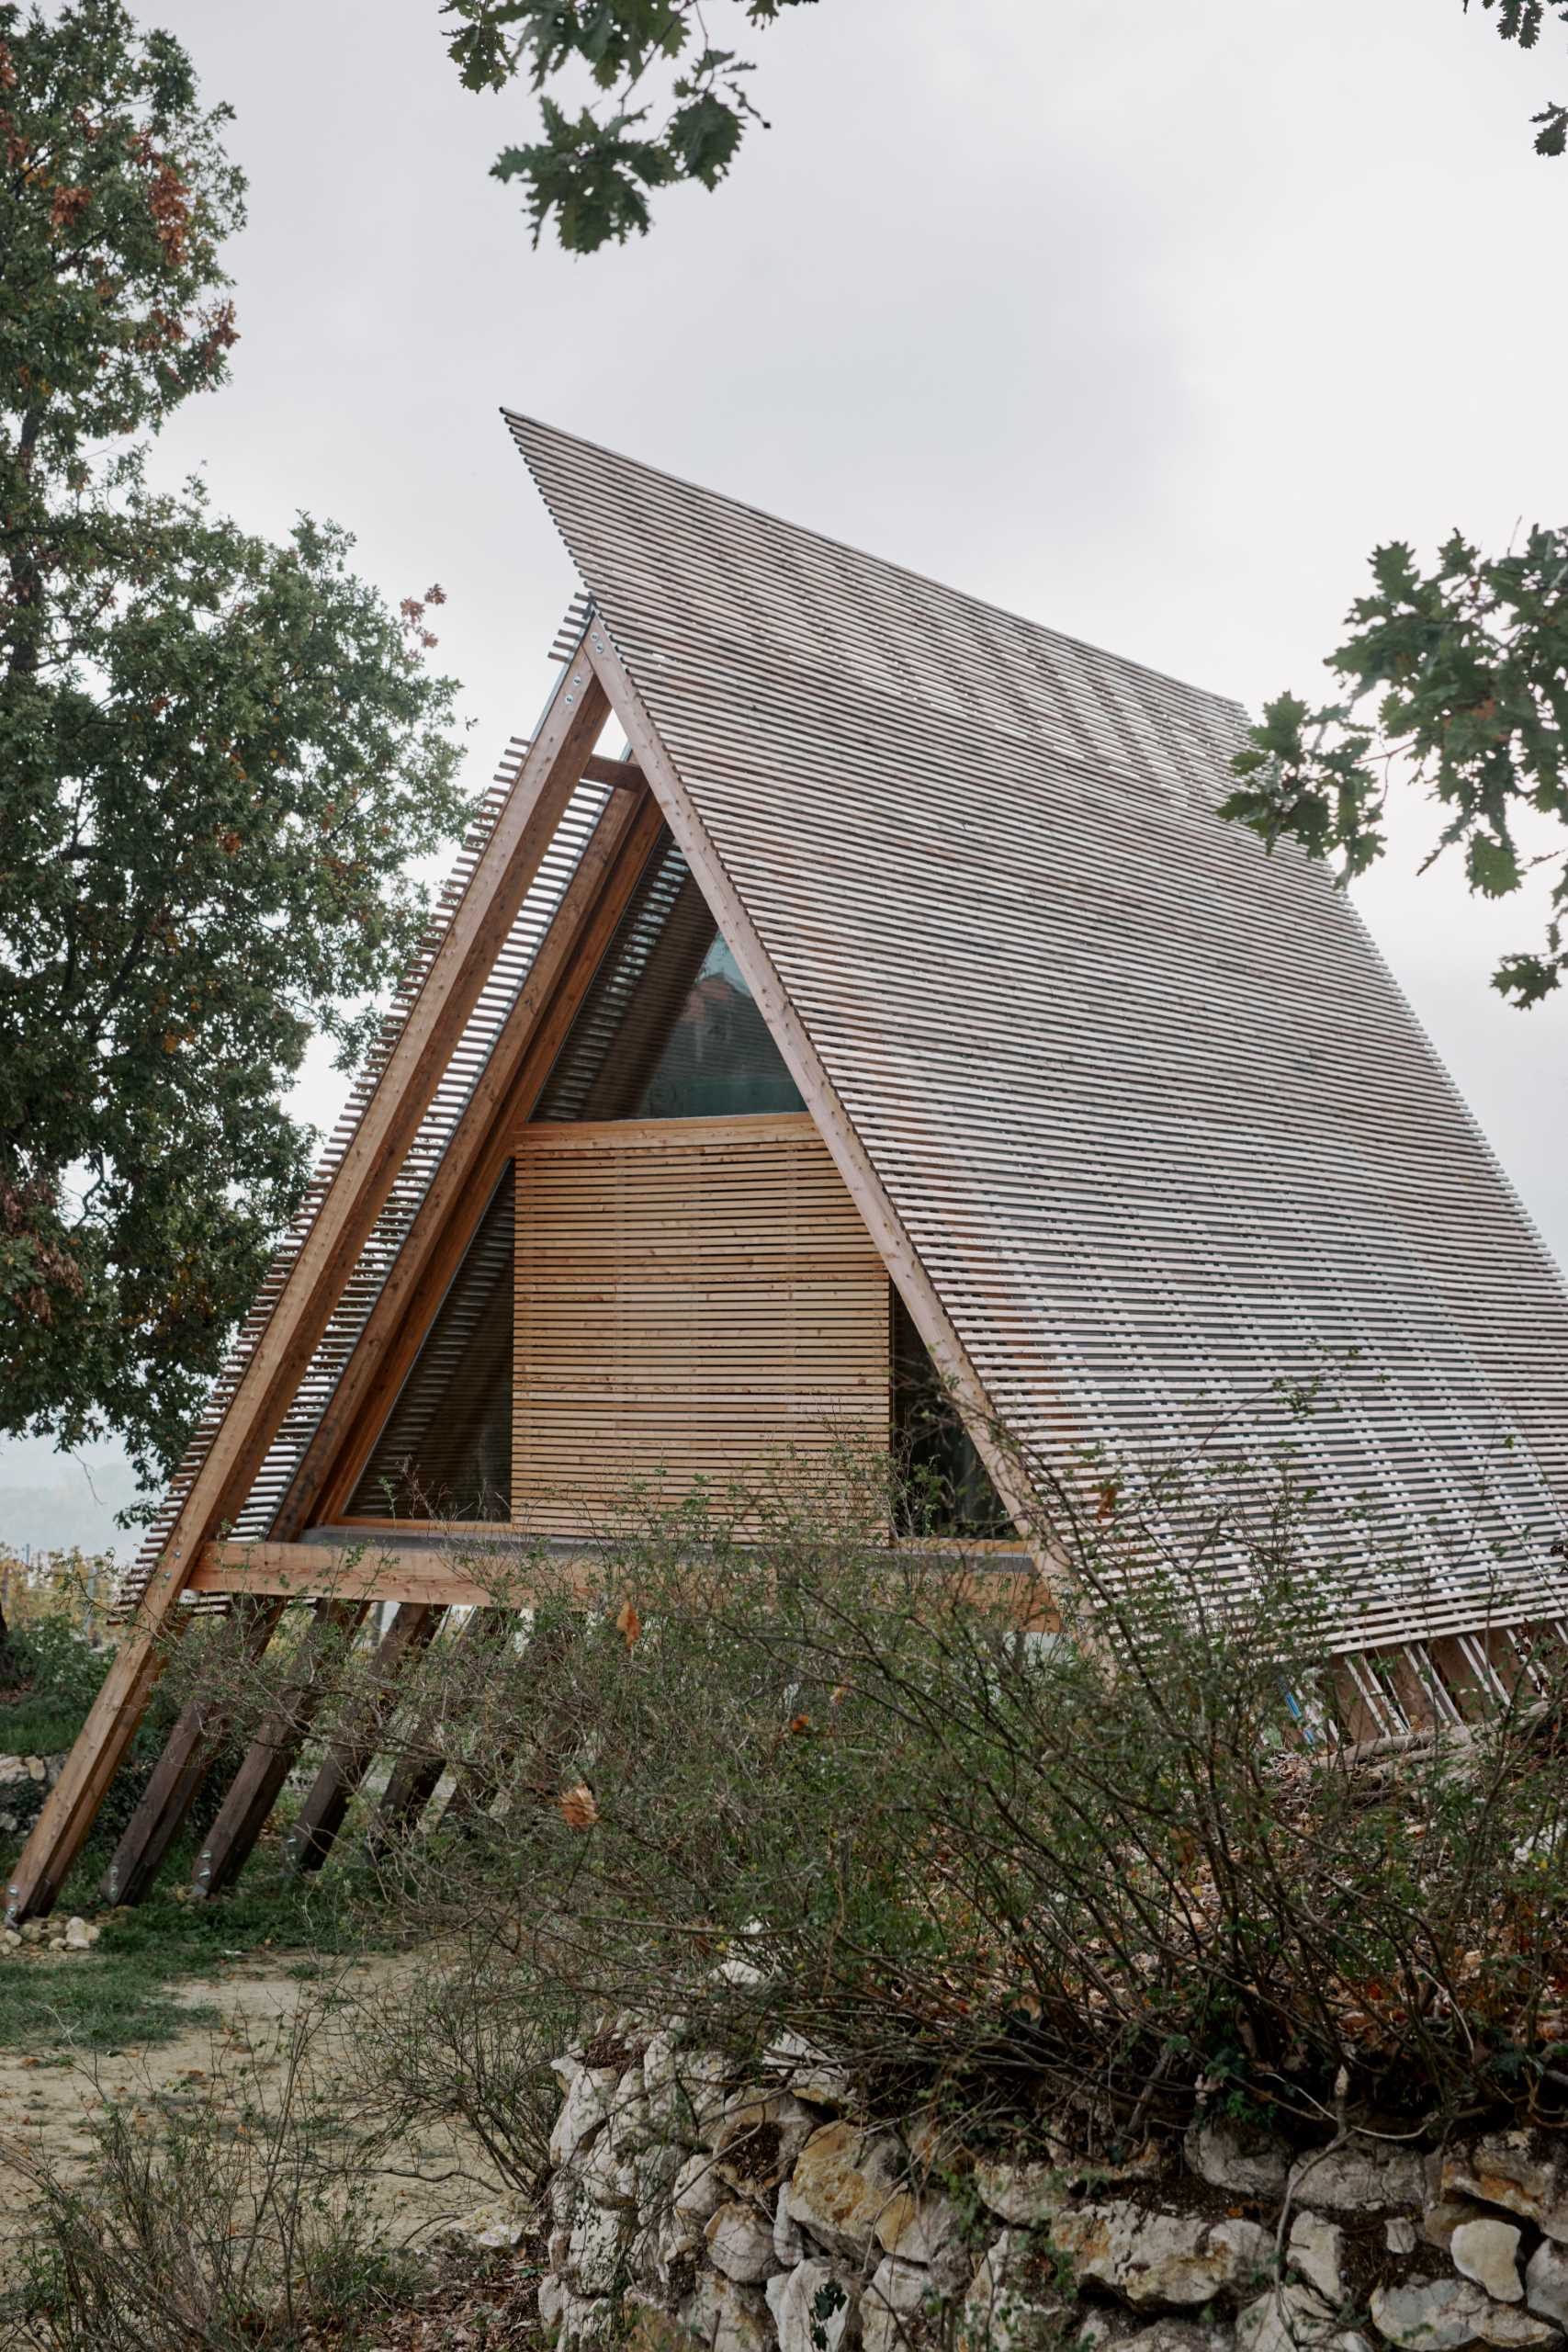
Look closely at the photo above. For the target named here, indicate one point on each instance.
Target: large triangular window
(669, 1029)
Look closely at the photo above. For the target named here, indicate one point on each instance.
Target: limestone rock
(596, 2252)
(789, 2239)
(1365, 2177)
(1179, 2336)
(655, 2171)
(608, 2178)
(1520, 2171)
(1442, 2217)
(1401, 2235)
(685, 2090)
(1022, 2193)
(812, 2308)
(498, 2225)
(1440, 2315)
(588, 2090)
(1284, 2320)
(739, 2243)
(552, 2299)
(1183, 2259)
(587, 2323)
(79, 1937)
(1317, 2249)
(1012, 2302)
(844, 2179)
(1246, 2164)
(698, 2191)
(729, 2317)
(760, 2136)
(891, 2304)
(1488, 2252)
(917, 2229)
(630, 2118)
(1546, 2282)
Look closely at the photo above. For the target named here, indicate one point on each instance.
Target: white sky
(1147, 319)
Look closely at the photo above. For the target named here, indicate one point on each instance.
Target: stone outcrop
(765, 2215)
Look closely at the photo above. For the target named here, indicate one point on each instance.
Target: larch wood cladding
(696, 1298)
(1157, 1124)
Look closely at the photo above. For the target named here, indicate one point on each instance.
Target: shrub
(770, 1777)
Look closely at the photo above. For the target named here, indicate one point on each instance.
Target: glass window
(669, 1029)
(446, 1451)
(943, 1487)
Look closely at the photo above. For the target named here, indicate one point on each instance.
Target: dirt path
(48, 2096)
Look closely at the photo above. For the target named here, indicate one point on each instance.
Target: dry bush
(768, 1776)
(225, 2222)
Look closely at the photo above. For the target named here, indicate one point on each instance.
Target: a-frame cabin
(895, 1011)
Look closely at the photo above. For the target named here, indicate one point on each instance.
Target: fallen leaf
(578, 1808)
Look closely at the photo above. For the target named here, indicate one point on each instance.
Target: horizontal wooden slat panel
(1145, 1104)
(693, 1296)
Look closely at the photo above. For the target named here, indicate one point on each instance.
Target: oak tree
(218, 756)
(595, 164)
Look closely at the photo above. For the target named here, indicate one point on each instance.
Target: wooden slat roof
(1148, 1103)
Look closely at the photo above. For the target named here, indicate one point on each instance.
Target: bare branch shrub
(756, 1769)
(209, 2226)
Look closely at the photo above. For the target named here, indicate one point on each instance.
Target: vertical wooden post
(270, 1757)
(343, 1769)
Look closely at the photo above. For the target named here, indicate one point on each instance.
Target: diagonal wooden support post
(270, 1756)
(344, 1767)
(591, 904)
(417, 1774)
(459, 966)
(180, 1771)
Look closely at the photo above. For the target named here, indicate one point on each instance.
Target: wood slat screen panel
(694, 1297)
(1149, 1107)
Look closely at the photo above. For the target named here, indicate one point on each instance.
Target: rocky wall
(768, 2212)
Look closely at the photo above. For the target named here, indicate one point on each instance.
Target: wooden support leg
(417, 1775)
(320, 1816)
(257, 1784)
(179, 1772)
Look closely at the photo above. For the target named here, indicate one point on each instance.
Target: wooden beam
(320, 1816)
(625, 774)
(590, 905)
(418, 1773)
(369, 1571)
(458, 968)
(398, 1324)
(926, 1312)
(180, 1771)
(460, 1577)
(270, 1758)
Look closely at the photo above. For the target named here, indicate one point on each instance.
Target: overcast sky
(1146, 319)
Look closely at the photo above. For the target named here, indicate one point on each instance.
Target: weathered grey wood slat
(1154, 1115)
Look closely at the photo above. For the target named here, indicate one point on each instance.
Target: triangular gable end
(668, 1049)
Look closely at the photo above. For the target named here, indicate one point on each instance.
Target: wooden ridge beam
(459, 966)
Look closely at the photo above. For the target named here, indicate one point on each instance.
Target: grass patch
(119, 1993)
